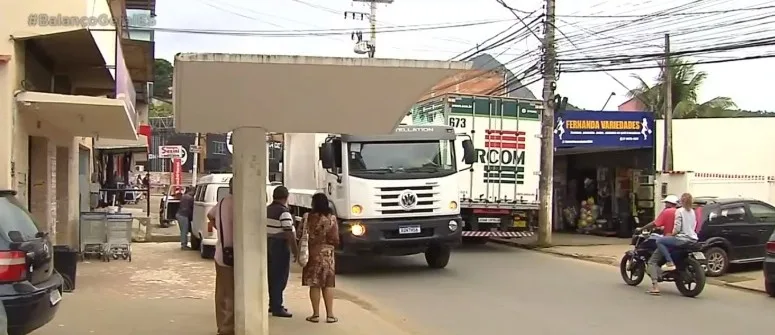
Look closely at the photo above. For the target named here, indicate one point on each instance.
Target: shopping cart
(92, 234)
(119, 237)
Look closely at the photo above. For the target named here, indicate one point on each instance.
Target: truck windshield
(425, 159)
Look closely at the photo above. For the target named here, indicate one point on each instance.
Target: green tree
(686, 84)
(162, 78)
(159, 109)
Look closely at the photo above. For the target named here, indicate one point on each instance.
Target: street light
(607, 100)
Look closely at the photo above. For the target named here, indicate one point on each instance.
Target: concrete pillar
(73, 193)
(62, 194)
(250, 276)
(42, 163)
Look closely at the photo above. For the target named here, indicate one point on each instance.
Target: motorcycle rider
(684, 230)
(666, 221)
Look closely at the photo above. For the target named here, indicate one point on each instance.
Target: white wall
(728, 145)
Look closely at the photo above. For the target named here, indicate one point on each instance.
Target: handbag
(228, 252)
(304, 243)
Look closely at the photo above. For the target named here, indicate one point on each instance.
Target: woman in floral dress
(319, 273)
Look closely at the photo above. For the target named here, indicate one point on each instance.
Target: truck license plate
(54, 297)
(409, 230)
(699, 256)
(489, 220)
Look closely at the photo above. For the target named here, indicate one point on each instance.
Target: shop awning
(361, 96)
(74, 51)
(80, 115)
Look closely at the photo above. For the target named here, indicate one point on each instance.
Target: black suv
(734, 231)
(30, 288)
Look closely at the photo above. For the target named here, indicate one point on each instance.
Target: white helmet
(672, 199)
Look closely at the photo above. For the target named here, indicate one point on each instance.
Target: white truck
(392, 194)
(499, 195)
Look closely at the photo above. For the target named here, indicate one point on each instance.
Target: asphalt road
(493, 290)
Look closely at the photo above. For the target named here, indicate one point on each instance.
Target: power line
(320, 32)
(718, 61)
(726, 11)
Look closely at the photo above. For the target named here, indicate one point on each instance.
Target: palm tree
(686, 83)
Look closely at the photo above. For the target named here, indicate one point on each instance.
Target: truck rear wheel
(437, 256)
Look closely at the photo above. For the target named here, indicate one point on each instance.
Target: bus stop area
(168, 291)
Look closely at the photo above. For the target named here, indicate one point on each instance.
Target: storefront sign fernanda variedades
(604, 129)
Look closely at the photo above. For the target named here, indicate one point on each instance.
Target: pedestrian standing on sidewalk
(184, 216)
(319, 272)
(221, 217)
(281, 243)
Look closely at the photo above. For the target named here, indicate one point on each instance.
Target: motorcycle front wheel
(691, 280)
(632, 271)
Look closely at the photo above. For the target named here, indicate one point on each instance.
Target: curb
(609, 261)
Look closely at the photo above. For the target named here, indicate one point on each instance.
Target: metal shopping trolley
(92, 234)
(119, 237)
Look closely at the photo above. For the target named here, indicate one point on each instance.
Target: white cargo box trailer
(499, 195)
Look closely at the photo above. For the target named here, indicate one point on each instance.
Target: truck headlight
(356, 209)
(452, 205)
(452, 225)
(357, 229)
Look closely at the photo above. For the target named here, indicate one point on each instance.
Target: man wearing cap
(666, 221)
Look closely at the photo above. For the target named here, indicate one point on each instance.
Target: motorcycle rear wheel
(694, 268)
(631, 270)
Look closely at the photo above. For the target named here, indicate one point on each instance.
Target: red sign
(177, 169)
(504, 139)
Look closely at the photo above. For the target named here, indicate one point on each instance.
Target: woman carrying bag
(319, 237)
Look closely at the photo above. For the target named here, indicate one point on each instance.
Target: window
(728, 214)
(219, 148)
(13, 217)
(222, 193)
(761, 212)
(200, 193)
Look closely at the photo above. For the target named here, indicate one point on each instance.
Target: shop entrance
(603, 172)
(606, 193)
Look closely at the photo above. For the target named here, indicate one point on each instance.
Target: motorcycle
(690, 263)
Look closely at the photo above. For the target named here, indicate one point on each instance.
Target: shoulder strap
(220, 225)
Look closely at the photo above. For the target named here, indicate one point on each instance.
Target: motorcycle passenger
(683, 230)
(665, 220)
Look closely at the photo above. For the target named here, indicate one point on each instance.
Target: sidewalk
(609, 251)
(168, 291)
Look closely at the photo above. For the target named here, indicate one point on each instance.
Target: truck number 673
(457, 122)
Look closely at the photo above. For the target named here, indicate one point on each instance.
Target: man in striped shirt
(281, 243)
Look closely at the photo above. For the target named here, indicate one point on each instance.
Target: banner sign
(177, 172)
(604, 129)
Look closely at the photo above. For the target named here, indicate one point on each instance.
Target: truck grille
(388, 201)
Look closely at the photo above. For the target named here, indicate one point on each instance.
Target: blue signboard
(604, 129)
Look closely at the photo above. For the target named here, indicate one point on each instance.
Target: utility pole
(371, 44)
(546, 180)
(373, 28)
(195, 165)
(667, 152)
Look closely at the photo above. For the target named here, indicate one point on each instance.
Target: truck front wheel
(437, 256)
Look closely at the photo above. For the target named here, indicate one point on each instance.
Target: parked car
(30, 288)
(209, 190)
(769, 267)
(734, 231)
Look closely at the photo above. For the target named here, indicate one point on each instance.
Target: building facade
(69, 75)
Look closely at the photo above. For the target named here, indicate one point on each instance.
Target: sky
(578, 37)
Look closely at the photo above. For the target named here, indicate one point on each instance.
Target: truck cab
(393, 194)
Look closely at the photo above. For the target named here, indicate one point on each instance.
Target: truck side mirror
(327, 153)
(469, 154)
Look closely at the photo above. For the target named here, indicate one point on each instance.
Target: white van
(209, 190)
